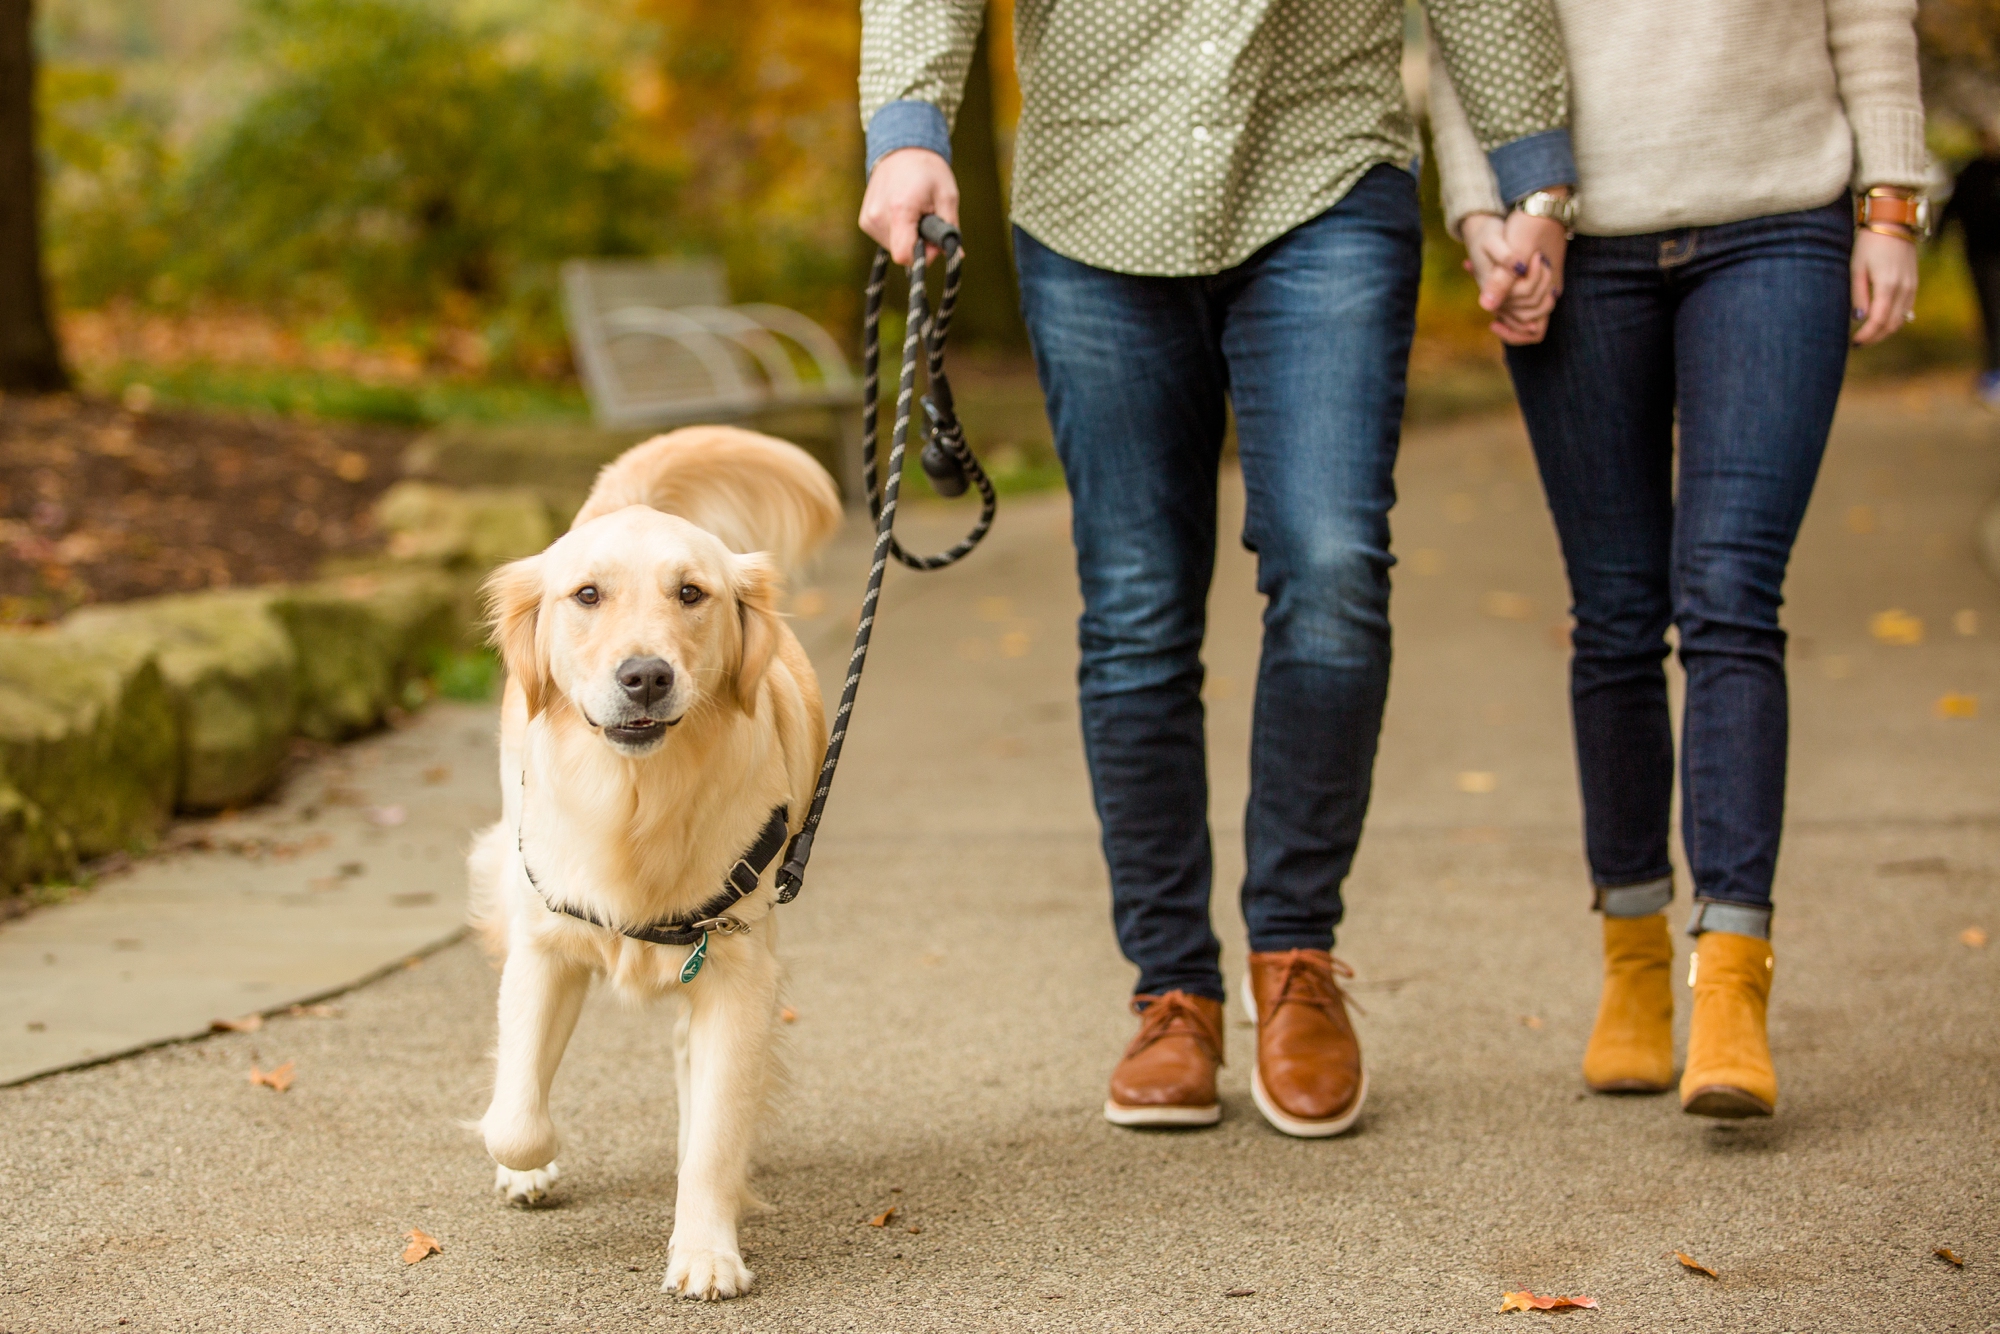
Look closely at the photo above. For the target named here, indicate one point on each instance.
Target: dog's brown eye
(691, 595)
(587, 595)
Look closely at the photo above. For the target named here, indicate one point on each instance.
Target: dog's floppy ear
(514, 610)
(757, 584)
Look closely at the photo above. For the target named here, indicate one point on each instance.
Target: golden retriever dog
(658, 715)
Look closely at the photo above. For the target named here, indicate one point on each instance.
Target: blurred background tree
(28, 359)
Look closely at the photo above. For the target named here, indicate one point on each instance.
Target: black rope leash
(946, 459)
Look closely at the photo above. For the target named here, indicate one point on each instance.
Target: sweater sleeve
(1874, 49)
(1505, 59)
(915, 55)
(1464, 176)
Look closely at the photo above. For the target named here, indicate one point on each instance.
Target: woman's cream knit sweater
(1687, 113)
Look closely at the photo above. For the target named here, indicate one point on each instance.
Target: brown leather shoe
(1307, 1078)
(1167, 1076)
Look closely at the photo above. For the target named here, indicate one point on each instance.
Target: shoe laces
(1306, 983)
(1163, 1016)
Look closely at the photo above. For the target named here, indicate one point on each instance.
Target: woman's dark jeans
(1309, 339)
(1742, 330)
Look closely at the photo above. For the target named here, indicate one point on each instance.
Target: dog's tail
(755, 492)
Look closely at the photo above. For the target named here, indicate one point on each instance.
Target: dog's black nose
(646, 680)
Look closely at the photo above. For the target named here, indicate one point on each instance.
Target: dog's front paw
(706, 1276)
(526, 1189)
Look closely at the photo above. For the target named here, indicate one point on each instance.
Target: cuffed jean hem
(1738, 919)
(1640, 900)
(1282, 944)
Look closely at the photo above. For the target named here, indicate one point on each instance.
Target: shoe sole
(1118, 1114)
(1627, 1086)
(1283, 1120)
(1724, 1102)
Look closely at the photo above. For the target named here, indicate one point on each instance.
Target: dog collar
(738, 884)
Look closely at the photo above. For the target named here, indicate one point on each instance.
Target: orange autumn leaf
(421, 1244)
(788, 1014)
(882, 1219)
(249, 1023)
(1955, 705)
(1528, 1301)
(1949, 1256)
(1690, 1262)
(1973, 936)
(279, 1079)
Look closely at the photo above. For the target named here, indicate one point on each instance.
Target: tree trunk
(989, 305)
(29, 360)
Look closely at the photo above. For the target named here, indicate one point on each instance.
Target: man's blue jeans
(1309, 340)
(1742, 330)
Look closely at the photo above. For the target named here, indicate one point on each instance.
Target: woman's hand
(1517, 282)
(1885, 284)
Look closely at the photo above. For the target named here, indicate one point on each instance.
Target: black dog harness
(693, 929)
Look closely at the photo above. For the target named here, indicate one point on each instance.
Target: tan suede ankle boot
(1729, 1070)
(1632, 1044)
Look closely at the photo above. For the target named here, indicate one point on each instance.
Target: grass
(295, 392)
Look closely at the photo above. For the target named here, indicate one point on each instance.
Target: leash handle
(923, 334)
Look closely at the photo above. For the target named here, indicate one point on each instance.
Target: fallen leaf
(882, 1219)
(1532, 1020)
(1477, 782)
(1896, 626)
(249, 1023)
(314, 1011)
(279, 1079)
(387, 817)
(1955, 705)
(1948, 1255)
(421, 1244)
(1974, 936)
(788, 1014)
(1241, 1292)
(1689, 1262)
(914, 1229)
(1528, 1301)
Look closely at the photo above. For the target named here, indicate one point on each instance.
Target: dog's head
(639, 620)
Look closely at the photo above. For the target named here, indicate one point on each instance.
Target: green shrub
(397, 161)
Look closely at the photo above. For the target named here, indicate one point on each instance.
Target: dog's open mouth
(639, 731)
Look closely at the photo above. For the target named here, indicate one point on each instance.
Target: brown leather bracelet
(1892, 206)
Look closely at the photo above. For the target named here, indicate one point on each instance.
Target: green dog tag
(696, 958)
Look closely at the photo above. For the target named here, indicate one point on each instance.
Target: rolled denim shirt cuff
(1738, 919)
(1520, 166)
(1640, 900)
(907, 124)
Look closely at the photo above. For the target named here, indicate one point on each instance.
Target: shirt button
(1201, 134)
(1208, 48)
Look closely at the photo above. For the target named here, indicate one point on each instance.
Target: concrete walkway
(958, 1000)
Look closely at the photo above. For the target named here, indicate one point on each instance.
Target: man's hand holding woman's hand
(1518, 263)
(904, 186)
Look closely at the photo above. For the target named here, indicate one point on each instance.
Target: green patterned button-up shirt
(1178, 136)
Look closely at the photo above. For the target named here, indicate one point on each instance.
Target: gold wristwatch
(1894, 210)
(1548, 204)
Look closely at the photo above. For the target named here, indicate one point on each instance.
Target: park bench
(658, 344)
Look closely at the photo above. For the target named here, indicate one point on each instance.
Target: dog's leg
(731, 1011)
(540, 997)
(683, 1077)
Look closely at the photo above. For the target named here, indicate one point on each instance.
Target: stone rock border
(122, 715)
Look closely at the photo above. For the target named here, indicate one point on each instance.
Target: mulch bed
(101, 503)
